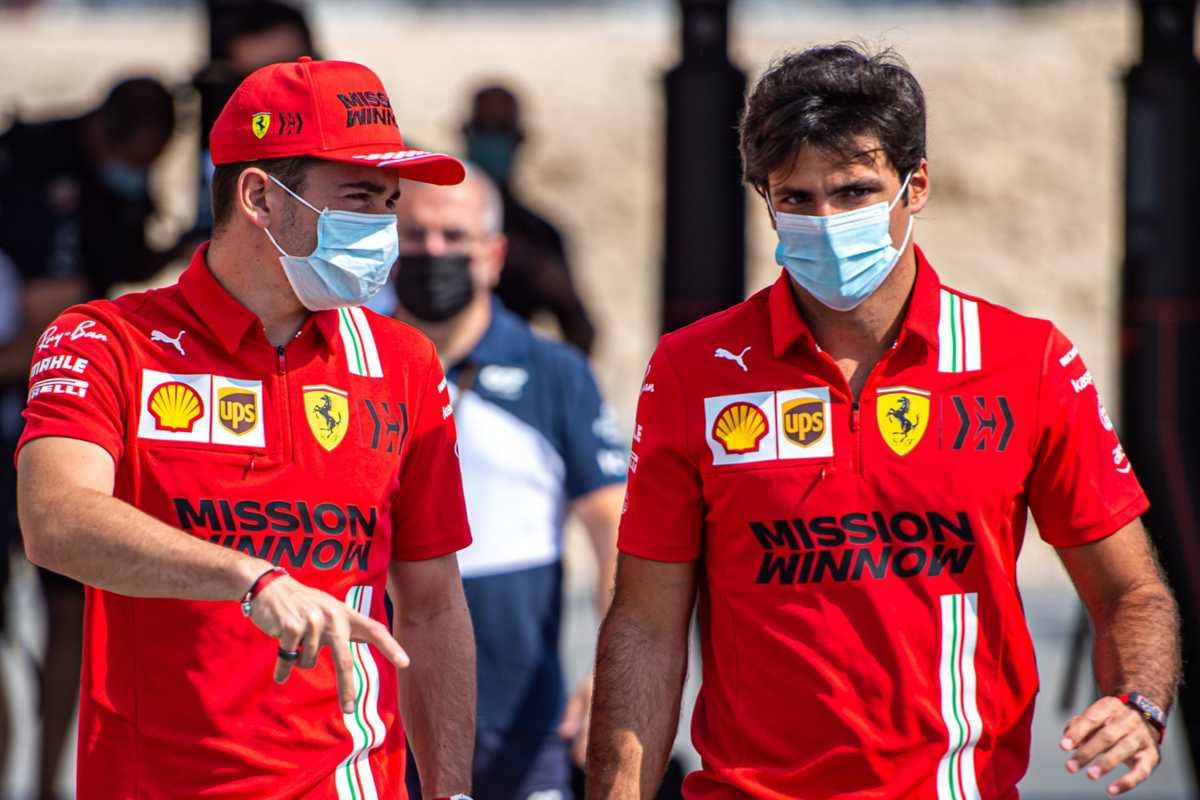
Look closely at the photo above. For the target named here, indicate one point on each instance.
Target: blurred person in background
(74, 205)
(13, 368)
(536, 276)
(247, 34)
(536, 440)
(841, 469)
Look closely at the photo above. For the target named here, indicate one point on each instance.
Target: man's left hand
(574, 725)
(1109, 733)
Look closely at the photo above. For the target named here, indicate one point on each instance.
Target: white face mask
(351, 262)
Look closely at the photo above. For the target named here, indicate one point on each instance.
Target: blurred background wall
(1025, 153)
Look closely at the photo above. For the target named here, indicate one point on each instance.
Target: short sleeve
(593, 453)
(663, 516)
(429, 516)
(1082, 487)
(76, 388)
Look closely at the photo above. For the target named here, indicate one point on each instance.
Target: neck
(456, 337)
(255, 279)
(863, 334)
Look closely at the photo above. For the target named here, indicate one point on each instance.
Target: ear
(253, 197)
(918, 188)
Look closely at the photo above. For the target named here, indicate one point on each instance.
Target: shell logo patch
(260, 123)
(175, 407)
(740, 427)
(328, 413)
(903, 416)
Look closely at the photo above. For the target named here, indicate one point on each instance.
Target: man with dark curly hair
(841, 469)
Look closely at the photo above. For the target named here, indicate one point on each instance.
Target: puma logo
(159, 336)
(723, 353)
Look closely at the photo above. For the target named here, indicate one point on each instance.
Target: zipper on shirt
(286, 427)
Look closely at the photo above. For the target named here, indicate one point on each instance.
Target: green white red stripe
(353, 778)
(359, 343)
(958, 334)
(960, 711)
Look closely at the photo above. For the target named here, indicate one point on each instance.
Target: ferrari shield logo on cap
(903, 416)
(328, 412)
(260, 123)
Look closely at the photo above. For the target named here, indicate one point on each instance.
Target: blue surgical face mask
(493, 151)
(126, 182)
(843, 258)
(352, 260)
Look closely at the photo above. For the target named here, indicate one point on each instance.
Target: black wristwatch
(1149, 711)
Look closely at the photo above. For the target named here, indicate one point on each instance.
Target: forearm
(639, 682)
(1137, 644)
(437, 695)
(107, 543)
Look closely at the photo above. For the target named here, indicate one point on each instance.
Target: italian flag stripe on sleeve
(353, 778)
(958, 334)
(362, 356)
(960, 712)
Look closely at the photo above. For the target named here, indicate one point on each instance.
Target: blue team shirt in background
(534, 434)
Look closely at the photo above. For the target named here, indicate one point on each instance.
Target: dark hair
(138, 104)
(289, 171)
(827, 97)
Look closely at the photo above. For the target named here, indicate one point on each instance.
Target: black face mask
(434, 288)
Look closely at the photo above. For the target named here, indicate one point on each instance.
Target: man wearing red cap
(240, 464)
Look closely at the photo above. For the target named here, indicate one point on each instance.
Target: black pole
(704, 266)
(1160, 368)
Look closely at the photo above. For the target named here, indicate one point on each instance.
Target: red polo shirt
(862, 631)
(331, 456)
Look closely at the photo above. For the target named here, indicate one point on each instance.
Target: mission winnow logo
(326, 535)
(863, 545)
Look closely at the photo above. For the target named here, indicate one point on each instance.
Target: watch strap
(1150, 711)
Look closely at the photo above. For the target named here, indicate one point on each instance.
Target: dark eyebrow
(367, 186)
(868, 183)
(373, 188)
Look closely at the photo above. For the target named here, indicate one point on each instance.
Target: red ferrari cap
(335, 110)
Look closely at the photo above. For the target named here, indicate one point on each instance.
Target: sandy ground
(1025, 136)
